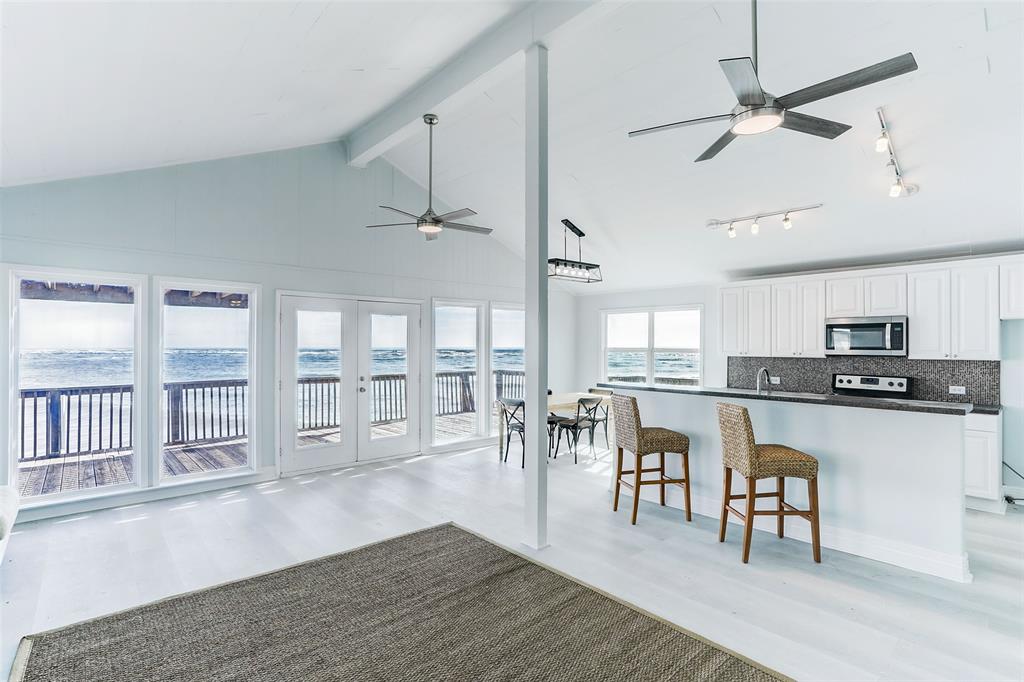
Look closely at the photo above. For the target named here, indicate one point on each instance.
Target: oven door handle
(888, 336)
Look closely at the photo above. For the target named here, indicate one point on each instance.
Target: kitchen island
(891, 471)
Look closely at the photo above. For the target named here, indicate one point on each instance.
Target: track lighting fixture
(898, 188)
(755, 224)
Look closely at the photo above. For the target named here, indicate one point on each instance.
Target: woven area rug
(441, 603)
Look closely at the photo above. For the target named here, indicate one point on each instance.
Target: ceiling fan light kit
(569, 269)
(759, 112)
(755, 225)
(430, 223)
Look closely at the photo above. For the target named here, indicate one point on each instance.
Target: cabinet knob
(946, 355)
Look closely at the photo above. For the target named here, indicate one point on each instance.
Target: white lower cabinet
(983, 463)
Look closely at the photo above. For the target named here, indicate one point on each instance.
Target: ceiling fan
(758, 111)
(431, 224)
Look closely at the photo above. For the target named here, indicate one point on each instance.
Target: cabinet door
(1011, 291)
(981, 465)
(845, 297)
(732, 321)
(928, 315)
(885, 295)
(811, 304)
(759, 320)
(975, 313)
(785, 320)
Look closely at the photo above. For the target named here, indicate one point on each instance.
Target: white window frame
(254, 425)
(140, 386)
(491, 391)
(650, 350)
(483, 366)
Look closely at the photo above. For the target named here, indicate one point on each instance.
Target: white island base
(890, 482)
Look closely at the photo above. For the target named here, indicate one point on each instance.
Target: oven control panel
(859, 384)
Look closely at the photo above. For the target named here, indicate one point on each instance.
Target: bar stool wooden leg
(726, 492)
(812, 494)
(748, 522)
(781, 507)
(661, 468)
(618, 479)
(636, 486)
(686, 486)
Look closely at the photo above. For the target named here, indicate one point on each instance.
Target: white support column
(536, 502)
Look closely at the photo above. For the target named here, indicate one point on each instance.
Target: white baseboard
(905, 555)
(981, 504)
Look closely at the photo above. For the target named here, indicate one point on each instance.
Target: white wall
(1011, 388)
(563, 342)
(289, 220)
(588, 327)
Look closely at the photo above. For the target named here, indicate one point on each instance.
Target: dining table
(558, 403)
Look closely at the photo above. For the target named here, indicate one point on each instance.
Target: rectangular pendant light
(573, 270)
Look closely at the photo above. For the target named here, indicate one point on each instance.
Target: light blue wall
(289, 220)
(1011, 388)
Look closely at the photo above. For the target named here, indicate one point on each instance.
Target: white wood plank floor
(846, 619)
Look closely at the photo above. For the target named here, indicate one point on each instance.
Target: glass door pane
(318, 402)
(76, 394)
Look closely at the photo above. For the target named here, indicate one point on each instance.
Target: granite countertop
(820, 399)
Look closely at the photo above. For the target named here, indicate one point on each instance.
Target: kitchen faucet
(768, 379)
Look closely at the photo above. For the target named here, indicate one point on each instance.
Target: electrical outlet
(775, 381)
(957, 390)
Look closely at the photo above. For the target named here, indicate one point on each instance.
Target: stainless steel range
(875, 386)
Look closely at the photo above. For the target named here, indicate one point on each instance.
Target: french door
(349, 381)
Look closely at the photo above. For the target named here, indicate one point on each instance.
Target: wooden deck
(63, 474)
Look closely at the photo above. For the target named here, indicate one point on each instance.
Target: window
(653, 346)
(78, 372)
(456, 366)
(508, 362)
(207, 370)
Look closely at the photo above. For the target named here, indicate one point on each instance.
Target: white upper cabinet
(759, 320)
(845, 297)
(732, 321)
(885, 295)
(975, 313)
(928, 308)
(811, 296)
(798, 319)
(1011, 290)
(785, 320)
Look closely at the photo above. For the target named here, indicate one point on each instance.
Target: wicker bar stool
(646, 440)
(755, 462)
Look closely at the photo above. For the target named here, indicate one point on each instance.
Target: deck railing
(56, 422)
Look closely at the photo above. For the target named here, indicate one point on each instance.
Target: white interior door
(388, 379)
(318, 387)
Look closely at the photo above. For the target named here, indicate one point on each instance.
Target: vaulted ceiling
(100, 87)
(644, 203)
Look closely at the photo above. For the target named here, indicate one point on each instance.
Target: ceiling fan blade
(743, 79)
(896, 66)
(812, 125)
(718, 146)
(468, 228)
(680, 124)
(391, 225)
(455, 215)
(431, 236)
(398, 210)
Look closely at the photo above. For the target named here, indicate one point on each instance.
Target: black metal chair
(602, 414)
(514, 410)
(585, 420)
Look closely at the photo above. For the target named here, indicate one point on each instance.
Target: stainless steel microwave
(866, 336)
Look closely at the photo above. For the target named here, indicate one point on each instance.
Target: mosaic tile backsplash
(932, 378)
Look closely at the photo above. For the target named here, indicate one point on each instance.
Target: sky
(55, 325)
(672, 329)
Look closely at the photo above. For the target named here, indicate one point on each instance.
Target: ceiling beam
(484, 62)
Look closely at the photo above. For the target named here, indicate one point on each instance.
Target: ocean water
(57, 369)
